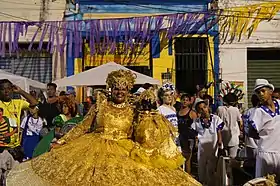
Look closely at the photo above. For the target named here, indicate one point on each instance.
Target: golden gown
(109, 156)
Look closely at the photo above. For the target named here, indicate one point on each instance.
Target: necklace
(169, 106)
(122, 105)
(32, 121)
(7, 107)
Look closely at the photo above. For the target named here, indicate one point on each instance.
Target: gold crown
(148, 95)
(121, 79)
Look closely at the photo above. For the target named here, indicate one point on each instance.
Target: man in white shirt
(232, 120)
(250, 143)
(264, 125)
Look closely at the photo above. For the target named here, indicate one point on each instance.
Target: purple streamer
(126, 36)
(45, 29)
(58, 46)
(70, 44)
(188, 22)
(10, 38)
(87, 33)
(19, 29)
(141, 30)
(1, 29)
(50, 37)
(91, 41)
(114, 29)
(76, 40)
(104, 36)
(26, 29)
(4, 40)
(80, 36)
(199, 24)
(64, 35)
(55, 29)
(97, 36)
(15, 39)
(108, 25)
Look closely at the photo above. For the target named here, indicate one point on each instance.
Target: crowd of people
(71, 140)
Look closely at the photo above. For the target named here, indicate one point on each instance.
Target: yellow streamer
(243, 21)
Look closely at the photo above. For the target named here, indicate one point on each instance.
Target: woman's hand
(55, 145)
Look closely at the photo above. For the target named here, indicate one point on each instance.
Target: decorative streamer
(4, 40)
(70, 46)
(134, 33)
(45, 29)
(58, 47)
(55, 29)
(91, 40)
(1, 29)
(241, 21)
(17, 30)
(50, 36)
(64, 35)
(10, 38)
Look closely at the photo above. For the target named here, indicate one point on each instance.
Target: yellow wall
(167, 61)
(142, 59)
(160, 65)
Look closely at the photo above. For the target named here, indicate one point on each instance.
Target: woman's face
(119, 95)
(65, 109)
(167, 97)
(186, 102)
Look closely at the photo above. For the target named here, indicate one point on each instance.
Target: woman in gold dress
(126, 147)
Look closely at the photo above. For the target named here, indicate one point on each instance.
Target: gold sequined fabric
(107, 157)
(156, 147)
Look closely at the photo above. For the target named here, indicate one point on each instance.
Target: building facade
(186, 59)
(38, 65)
(242, 61)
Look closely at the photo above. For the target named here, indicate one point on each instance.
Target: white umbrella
(97, 76)
(23, 82)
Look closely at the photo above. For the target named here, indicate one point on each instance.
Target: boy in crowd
(264, 126)
(208, 127)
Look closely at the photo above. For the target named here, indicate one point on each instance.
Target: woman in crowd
(108, 155)
(62, 123)
(186, 133)
(67, 117)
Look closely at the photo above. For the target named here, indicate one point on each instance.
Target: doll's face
(167, 97)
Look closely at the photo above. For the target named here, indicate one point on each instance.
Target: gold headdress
(148, 95)
(121, 79)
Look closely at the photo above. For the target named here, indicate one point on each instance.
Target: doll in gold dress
(125, 147)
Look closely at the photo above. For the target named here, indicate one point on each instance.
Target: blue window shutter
(155, 42)
(170, 47)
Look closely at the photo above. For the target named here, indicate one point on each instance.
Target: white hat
(260, 83)
(139, 91)
(197, 101)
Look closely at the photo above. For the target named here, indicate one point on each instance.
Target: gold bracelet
(61, 142)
